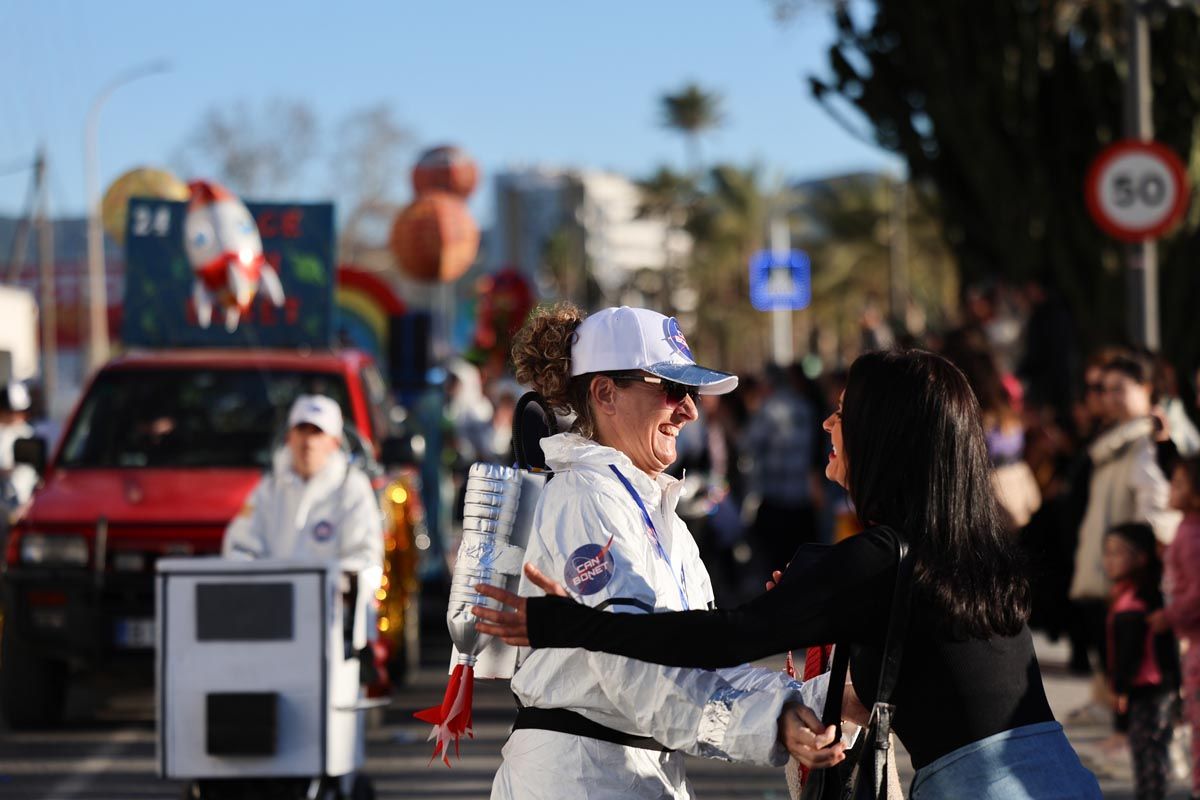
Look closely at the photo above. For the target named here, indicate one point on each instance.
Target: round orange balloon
(140, 182)
(435, 238)
(445, 169)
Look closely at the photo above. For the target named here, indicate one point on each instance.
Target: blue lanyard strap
(651, 531)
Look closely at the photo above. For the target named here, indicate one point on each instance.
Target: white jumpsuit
(588, 519)
(21, 478)
(332, 516)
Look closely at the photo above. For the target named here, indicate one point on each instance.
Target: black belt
(563, 721)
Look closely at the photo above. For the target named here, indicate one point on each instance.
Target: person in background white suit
(17, 481)
(312, 504)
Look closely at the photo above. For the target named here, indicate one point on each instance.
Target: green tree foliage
(865, 247)
(846, 224)
(723, 211)
(727, 223)
(1001, 105)
(692, 111)
(667, 194)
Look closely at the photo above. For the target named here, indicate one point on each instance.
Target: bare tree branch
(252, 151)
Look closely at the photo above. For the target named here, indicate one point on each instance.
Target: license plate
(135, 633)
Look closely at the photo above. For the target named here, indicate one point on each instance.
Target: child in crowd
(1143, 665)
(1182, 584)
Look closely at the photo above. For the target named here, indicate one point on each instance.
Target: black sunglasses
(675, 392)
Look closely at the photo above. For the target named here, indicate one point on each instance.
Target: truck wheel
(32, 688)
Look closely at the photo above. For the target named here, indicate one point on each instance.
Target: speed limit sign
(1136, 190)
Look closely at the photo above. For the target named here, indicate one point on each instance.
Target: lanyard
(652, 532)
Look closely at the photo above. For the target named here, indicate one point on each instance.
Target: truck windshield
(190, 417)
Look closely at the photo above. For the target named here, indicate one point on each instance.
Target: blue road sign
(780, 281)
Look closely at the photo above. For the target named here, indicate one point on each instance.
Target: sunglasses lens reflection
(677, 391)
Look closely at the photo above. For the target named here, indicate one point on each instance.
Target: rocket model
(226, 254)
(497, 518)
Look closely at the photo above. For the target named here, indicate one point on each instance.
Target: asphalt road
(106, 750)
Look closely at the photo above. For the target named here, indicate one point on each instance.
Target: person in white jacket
(1127, 484)
(17, 481)
(312, 504)
(592, 726)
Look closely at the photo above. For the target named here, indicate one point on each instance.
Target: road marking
(81, 773)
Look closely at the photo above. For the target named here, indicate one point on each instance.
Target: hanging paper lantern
(140, 182)
(434, 238)
(445, 169)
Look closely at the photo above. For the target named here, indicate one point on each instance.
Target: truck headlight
(54, 550)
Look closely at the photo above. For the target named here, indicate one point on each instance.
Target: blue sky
(521, 82)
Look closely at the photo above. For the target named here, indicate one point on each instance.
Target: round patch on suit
(676, 339)
(322, 531)
(589, 568)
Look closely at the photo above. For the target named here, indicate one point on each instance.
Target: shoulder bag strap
(893, 649)
(832, 713)
(893, 644)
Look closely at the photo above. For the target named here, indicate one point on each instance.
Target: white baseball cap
(626, 339)
(316, 409)
(15, 397)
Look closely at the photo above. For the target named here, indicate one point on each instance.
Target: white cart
(258, 680)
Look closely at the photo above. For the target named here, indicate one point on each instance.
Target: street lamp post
(97, 290)
(782, 347)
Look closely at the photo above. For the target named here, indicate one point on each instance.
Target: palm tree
(845, 224)
(666, 194)
(692, 111)
(726, 224)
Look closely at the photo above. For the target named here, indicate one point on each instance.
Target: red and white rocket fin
(242, 287)
(452, 718)
(202, 301)
(269, 282)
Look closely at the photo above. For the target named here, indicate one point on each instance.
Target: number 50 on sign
(1137, 190)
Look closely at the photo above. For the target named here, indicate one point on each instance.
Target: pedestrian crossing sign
(780, 281)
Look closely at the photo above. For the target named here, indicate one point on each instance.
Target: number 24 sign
(1137, 190)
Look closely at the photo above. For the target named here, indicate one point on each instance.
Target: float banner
(298, 240)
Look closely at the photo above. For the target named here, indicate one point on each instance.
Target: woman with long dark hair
(970, 706)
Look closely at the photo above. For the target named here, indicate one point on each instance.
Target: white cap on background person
(14, 397)
(318, 410)
(629, 339)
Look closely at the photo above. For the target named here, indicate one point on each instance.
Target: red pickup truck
(158, 456)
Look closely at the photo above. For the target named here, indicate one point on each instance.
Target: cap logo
(676, 339)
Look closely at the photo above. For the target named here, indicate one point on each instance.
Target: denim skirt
(1034, 762)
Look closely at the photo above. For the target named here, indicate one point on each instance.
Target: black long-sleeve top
(1132, 645)
(949, 693)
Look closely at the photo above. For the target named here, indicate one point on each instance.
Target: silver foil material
(484, 556)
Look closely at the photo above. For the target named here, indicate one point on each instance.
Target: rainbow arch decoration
(365, 305)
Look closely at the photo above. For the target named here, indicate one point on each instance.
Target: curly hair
(541, 357)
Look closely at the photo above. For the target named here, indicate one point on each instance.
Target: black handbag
(863, 775)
